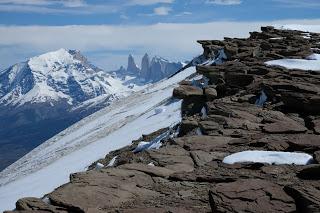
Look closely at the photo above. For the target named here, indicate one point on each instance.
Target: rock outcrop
(246, 106)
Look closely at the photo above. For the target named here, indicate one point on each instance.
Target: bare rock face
(252, 195)
(145, 66)
(132, 66)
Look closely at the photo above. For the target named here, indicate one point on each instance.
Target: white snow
(151, 164)
(49, 165)
(262, 99)
(311, 63)
(112, 161)
(154, 144)
(269, 157)
(99, 166)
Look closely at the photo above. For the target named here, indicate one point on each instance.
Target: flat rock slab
(250, 195)
(284, 127)
(103, 189)
(148, 169)
(204, 143)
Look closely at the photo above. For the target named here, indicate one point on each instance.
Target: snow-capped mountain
(48, 93)
(63, 76)
(151, 69)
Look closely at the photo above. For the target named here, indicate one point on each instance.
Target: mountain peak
(153, 69)
(51, 61)
(132, 66)
(61, 75)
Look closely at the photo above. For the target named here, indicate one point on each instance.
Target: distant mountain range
(151, 69)
(50, 92)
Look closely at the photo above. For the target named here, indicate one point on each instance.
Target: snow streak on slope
(49, 165)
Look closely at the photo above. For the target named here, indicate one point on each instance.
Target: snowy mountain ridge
(62, 75)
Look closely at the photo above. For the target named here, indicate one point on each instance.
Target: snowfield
(73, 150)
(311, 63)
(269, 157)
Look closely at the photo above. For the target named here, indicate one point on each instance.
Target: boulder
(210, 93)
(186, 91)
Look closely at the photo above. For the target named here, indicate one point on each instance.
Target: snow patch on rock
(311, 63)
(269, 157)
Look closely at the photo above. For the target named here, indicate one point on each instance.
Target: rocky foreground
(246, 106)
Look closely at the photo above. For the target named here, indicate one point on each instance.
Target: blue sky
(94, 12)
(108, 30)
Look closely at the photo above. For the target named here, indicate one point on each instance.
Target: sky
(106, 31)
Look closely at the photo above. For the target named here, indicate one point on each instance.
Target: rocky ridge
(246, 105)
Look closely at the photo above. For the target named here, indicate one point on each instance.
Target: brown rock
(103, 189)
(186, 91)
(209, 126)
(201, 157)
(284, 127)
(316, 156)
(36, 204)
(252, 195)
(316, 124)
(150, 170)
(306, 196)
(210, 93)
(204, 143)
(186, 126)
(310, 172)
(170, 155)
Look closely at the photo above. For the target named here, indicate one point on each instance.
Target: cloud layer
(108, 46)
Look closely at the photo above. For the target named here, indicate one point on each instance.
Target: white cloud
(186, 13)
(108, 46)
(76, 6)
(149, 2)
(299, 3)
(44, 7)
(162, 11)
(65, 3)
(224, 2)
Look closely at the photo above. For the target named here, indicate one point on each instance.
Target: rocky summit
(239, 104)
